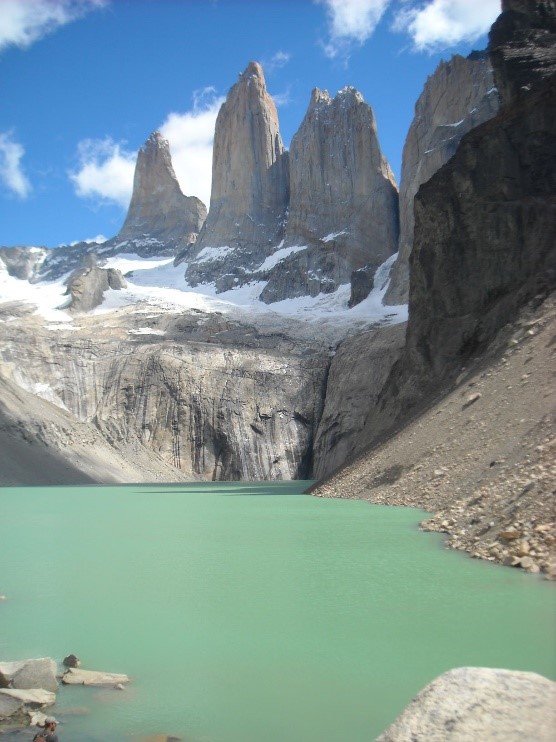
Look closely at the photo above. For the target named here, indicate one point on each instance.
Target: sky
(83, 83)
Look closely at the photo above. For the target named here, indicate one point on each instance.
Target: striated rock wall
(211, 399)
(343, 198)
(459, 95)
(250, 189)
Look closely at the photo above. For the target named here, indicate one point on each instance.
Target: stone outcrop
(158, 208)
(459, 95)
(88, 285)
(479, 703)
(343, 199)
(249, 194)
(357, 374)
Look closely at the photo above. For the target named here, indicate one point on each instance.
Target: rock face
(459, 95)
(343, 199)
(28, 674)
(487, 217)
(356, 377)
(249, 194)
(158, 209)
(479, 703)
(203, 395)
(87, 285)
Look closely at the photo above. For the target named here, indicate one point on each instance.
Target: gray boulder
(33, 673)
(478, 703)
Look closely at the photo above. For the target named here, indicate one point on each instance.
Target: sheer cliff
(459, 96)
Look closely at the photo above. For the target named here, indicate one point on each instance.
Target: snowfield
(161, 285)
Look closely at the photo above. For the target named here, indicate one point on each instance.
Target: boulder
(33, 673)
(477, 703)
(32, 697)
(71, 661)
(75, 676)
(87, 285)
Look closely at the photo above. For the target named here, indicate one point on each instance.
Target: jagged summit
(158, 207)
(250, 190)
(343, 198)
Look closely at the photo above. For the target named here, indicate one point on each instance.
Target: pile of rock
(28, 687)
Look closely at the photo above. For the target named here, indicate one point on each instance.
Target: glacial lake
(251, 612)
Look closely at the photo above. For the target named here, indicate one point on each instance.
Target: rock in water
(158, 209)
(26, 674)
(75, 676)
(479, 703)
(249, 194)
(459, 95)
(343, 199)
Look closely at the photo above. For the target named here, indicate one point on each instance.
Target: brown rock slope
(481, 457)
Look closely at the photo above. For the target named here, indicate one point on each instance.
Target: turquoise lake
(251, 612)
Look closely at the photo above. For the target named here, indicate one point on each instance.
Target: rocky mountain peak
(254, 70)
(158, 208)
(250, 189)
(343, 212)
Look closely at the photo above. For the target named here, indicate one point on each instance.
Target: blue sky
(84, 82)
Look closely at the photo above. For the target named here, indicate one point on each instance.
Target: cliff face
(203, 396)
(485, 227)
(459, 95)
(343, 199)
(249, 194)
(158, 209)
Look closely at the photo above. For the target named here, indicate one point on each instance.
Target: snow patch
(279, 255)
(208, 254)
(333, 235)
(146, 331)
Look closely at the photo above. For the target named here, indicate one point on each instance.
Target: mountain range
(313, 310)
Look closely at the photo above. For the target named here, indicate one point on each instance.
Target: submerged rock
(75, 676)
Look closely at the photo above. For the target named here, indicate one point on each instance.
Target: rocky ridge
(459, 96)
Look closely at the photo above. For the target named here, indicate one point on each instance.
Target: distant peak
(254, 69)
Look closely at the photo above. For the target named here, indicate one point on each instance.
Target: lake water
(251, 612)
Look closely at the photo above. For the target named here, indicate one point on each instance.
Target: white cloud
(277, 61)
(440, 24)
(23, 22)
(99, 239)
(350, 22)
(191, 136)
(11, 174)
(105, 171)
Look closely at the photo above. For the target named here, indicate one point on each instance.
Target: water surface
(243, 618)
